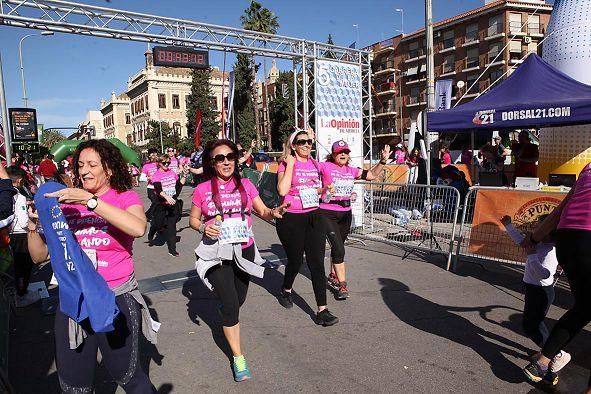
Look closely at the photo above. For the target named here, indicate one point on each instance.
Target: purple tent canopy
(535, 95)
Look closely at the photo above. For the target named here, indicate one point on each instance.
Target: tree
(50, 137)
(282, 116)
(153, 135)
(243, 107)
(261, 19)
(202, 98)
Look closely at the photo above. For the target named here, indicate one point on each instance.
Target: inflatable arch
(63, 149)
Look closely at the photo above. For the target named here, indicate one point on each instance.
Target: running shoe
(174, 254)
(342, 293)
(240, 369)
(325, 318)
(551, 378)
(285, 299)
(333, 281)
(533, 372)
(559, 361)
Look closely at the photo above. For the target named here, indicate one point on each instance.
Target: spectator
(444, 155)
(467, 155)
(501, 150)
(47, 168)
(413, 166)
(400, 154)
(246, 160)
(526, 156)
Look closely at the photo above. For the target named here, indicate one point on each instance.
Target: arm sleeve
(158, 188)
(178, 188)
(515, 235)
(7, 192)
(131, 198)
(281, 167)
(196, 200)
(21, 217)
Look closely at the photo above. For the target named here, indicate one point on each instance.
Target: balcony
(414, 55)
(389, 109)
(472, 64)
(517, 57)
(385, 88)
(491, 62)
(517, 29)
(447, 45)
(493, 32)
(447, 70)
(536, 30)
(415, 101)
(384, 68)
(470, 39)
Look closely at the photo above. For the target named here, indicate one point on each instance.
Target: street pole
(402, 20)
(7, 144)
(356, 35)
(430, 81)
(20, 58)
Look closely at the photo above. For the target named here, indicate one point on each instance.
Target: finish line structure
(102, 22)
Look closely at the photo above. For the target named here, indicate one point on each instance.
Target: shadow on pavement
(439, 320)
(203, 306)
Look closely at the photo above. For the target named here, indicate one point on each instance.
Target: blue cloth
(536, 94)
(83, 292)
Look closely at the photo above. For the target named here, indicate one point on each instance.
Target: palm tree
(261, 19)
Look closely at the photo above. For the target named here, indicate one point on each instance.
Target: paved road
(409, 326)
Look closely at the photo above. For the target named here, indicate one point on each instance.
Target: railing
(413, 217)
(472, 62)
(491, 57)
(414, 53)
(448, 43)
(536, 28)
(516, 27)
(495, 29)
(471, 37)
(448, 68)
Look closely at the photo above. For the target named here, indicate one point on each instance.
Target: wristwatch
(92, 203)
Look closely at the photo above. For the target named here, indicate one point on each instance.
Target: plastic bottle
(328, 194)
(217, 223)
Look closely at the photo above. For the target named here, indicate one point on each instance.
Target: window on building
(472, 58)
(495, 77)
(161, 100)
(515, 46)
(472, 32)
(176, 103)
(413, 49)
(495, 25)
(448, 39)
(534, 26)
(515, 22)
(146, 102)
(493, 51)
(470, 79)
(127, 118)
(415, 93)
(141, 104)
(449, 64)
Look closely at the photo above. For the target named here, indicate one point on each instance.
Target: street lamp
(356, 26)
(402, 21)
(399, 86)
(20, 57)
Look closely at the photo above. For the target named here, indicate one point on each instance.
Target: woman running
(338, 179)
(301, 230)
(105, 217)
(167, 187)
(572, 219)
(221, 210)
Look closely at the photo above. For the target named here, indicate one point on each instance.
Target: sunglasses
(303, 142)
(165, 163)
(230, 156)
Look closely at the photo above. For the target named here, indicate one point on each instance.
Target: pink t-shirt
(113, 248)
(342, 178)
(229, 200)
(446, 158)
(577, 212)
(149, 169)
(174, 165)
(168, 180)
(400, 156)
(305, 176)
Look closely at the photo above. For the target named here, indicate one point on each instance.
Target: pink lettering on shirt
(112, 246)
(305, 176)
(333, 174)
(577, 212)
(230, 202)
(167, 179)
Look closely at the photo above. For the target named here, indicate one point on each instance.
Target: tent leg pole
(472, 172)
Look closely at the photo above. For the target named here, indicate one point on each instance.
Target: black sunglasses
(303, 142)
(230, 156)
(165, 163)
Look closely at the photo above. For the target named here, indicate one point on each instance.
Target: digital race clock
(180, 57)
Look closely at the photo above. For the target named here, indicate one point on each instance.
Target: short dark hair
(152, 150)
(111, 159)
(15, 173)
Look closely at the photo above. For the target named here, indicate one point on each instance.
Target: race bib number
(309, 198)
(91, 253)
(234, 231)
(169, 191)
(343, 187)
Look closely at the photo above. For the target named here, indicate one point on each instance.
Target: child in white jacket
(538, 281)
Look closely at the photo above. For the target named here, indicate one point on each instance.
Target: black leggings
(538, 300)
(574, 255)
(337, 225)
(119, 349)
(23, 264)
(165, 217)
(299, 233)
(231, 285)
(153, 203)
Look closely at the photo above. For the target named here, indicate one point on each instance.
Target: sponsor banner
(339, 109)
(23, 124)
(491, 116)
(443, 94)
(488, 237)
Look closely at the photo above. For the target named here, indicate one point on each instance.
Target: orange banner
(488, 236)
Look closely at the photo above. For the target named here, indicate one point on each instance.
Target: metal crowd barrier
(478, 242)
(413, 217)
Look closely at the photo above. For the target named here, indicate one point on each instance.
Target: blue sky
(67, 75)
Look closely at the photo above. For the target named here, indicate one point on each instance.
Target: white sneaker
(559, 361)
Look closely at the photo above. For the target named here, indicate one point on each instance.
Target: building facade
(157, 94)
(476, 50)
(116, 121)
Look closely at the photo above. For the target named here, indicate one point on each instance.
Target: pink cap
(340, 146)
